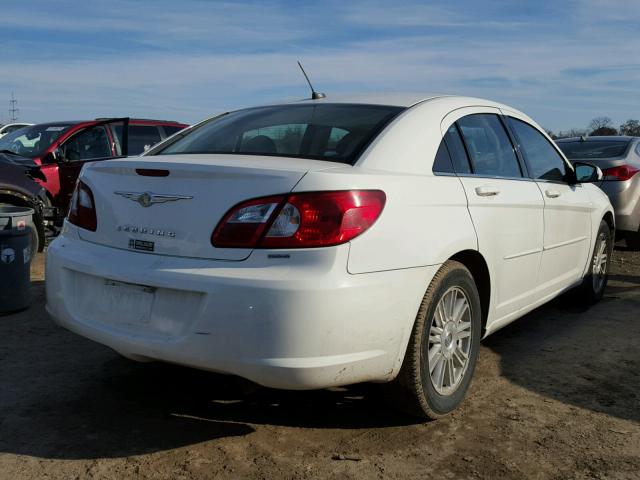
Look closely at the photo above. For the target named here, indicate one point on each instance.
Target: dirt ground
(555, 395)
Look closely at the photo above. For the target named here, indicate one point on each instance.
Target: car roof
(396, 99)
(400, 99)
(131, 120)
(619, 138)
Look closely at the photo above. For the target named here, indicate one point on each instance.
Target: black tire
(633, 240)
(41, 238)
(594, 284)
(414, 390)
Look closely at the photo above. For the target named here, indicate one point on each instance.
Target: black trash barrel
(15, 257)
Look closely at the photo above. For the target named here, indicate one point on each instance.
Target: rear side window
(543, 160)
(442, 162)
(489, 146)
(323, 131)
(142, 137)
(457, 151)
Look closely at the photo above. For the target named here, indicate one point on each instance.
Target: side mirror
(587, 173)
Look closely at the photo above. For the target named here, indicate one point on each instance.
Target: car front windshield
(594, 149)
(33, 141)
(333, 132)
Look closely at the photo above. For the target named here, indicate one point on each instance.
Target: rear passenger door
(506, 207)
(567, 211)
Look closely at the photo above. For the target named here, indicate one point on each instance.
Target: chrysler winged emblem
(146, 199)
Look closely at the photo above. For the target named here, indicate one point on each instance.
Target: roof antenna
(314, 95)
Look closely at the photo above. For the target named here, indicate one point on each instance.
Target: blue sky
(562, 62)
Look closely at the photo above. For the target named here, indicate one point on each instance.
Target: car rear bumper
(301, 322)
(625, 199)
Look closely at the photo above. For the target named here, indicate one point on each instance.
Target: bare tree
(602, 126)
(630, 127)
(600, 122)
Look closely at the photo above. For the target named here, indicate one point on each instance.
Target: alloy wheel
(449, 341)
(600, 263)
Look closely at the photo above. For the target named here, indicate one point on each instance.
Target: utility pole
(13, 110)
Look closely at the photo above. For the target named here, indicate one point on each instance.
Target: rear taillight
(300, 220)
(620, 173)
(82, 211)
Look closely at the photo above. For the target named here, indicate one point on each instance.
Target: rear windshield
(334, 132)
(597, 149)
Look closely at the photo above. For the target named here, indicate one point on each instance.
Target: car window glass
(170, 129)
(335, 137)
(13, 128)
(303, 131)
(457, 151)
(543, 160)
(142, 137)
(88, 144)
(583, 150)
(442, 162)
(285, 139)
(489, 146)
(33, 141)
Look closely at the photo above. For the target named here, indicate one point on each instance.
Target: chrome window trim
(496, 177)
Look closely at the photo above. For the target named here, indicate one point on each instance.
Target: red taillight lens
(82, 211)
(244, 224)
(620, 173)
(301, 220)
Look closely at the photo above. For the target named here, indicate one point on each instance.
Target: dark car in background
(62, 148)
(19, 188)
(619, 159)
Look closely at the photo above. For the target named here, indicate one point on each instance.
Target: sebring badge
(157, 232)
(146, 199)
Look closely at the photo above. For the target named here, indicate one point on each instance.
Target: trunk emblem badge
(146, 199)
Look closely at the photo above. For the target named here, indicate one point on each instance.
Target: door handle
(487, 191)
(552, 193)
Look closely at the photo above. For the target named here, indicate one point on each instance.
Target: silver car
(619, 159)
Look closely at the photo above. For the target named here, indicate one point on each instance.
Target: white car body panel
(317, 317)
(214, 188)
(396, 242)
(236, 317)
(510, 230)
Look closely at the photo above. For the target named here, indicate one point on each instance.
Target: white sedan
(328, 242)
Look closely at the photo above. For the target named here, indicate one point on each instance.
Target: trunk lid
(188, 203)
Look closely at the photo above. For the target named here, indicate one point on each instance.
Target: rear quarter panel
(424, 222)
(599, 208)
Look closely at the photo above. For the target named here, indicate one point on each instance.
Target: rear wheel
(596, 280)
(443, 348)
